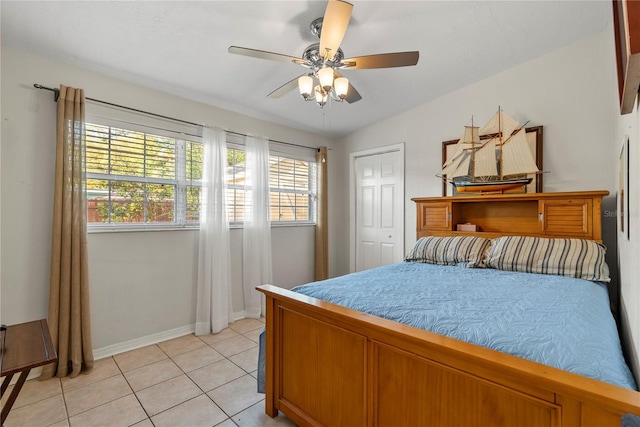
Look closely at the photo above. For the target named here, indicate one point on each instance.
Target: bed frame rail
(328, 365)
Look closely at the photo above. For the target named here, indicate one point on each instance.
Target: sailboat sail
(463, 167)
(457, 154)
(486, 159)
(455, 165)
(500, 123)
(471, 135)
(517, 157)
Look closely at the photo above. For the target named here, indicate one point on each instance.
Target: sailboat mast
(500, 155)
(473, 154)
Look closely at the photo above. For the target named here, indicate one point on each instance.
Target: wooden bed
(328, 365)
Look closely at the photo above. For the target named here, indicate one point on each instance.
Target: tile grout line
(102, 404)
(134, 393)
(64, 393)
(205, 393)
(230, 416)
(190, 379)
(185, 373)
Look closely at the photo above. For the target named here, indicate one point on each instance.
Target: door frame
(352, 194)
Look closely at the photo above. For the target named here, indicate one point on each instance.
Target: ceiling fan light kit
(337, 88)
(324, 59)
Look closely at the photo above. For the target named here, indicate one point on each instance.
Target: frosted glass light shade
(321, 96)
(325, 75)
(305, 86)
(341, 86)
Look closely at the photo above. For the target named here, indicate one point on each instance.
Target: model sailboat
(498, 162)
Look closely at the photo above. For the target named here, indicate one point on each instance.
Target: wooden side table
(26, 346)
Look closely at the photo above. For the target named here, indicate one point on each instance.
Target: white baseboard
(239, 315)
(111, 350)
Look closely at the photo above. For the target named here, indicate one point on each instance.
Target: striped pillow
(579, 258)
(468, 250)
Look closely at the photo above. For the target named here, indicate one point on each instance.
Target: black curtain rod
(56, 93)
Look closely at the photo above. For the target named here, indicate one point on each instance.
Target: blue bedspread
(558, 321)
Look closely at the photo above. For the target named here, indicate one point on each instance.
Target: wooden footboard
(328, 365)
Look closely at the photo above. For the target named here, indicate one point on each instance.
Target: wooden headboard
(561, 215)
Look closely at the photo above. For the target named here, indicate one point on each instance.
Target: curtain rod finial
(56, 92)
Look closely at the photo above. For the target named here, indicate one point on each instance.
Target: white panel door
(379, 210)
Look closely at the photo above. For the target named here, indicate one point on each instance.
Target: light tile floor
(188, 381)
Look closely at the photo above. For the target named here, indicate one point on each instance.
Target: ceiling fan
(324, 59)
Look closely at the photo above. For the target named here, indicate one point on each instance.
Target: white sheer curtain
(213, 304)
(256, 245)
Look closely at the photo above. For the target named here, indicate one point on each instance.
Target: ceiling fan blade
(352, 95)
(382, 60)
(262, 54)
(285, 88)
(334, 26)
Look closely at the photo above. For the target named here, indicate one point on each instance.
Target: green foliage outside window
(132, 157)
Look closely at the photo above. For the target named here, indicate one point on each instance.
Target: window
(142, 177)
(235, 184)
(139, 177)
(292, 188)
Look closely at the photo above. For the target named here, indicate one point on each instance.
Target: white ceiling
(181, 47)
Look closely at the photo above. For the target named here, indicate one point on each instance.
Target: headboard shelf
(565, 214)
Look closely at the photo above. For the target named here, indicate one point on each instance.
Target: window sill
(143, 228)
